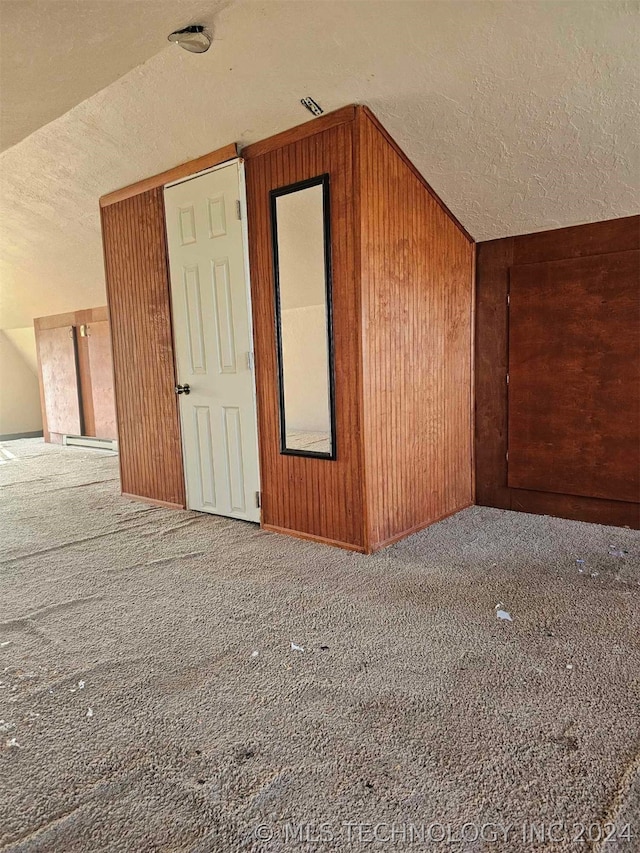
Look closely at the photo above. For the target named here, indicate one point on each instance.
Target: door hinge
(506, 455)
(250, 361)
(258, 500)
(508, 299)
(238, 209)
(507, 378)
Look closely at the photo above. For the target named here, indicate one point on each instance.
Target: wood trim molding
(362, 311)
(366, 111)
(577, 241)
(55, 321)
(301, 131)
(191, 167)
(152, 501)
(311, 537)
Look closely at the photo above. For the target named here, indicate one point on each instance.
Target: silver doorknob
(182, 389)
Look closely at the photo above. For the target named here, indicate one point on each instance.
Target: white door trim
(242, 184)
(201, 173)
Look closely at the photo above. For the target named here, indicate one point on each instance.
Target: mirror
(302, 273)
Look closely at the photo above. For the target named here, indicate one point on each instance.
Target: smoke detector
(195, 39)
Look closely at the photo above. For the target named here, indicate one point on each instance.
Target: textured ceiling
(522, 115)
(56, 53)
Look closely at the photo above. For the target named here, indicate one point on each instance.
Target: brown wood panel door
(574, 376)
(98, 339)
(144, 376)
(59, 371)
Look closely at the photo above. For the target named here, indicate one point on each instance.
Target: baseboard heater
(90, 441)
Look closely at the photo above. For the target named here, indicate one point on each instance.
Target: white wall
(19, 392)
(24, 340)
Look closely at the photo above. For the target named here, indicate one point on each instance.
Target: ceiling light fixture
(195, 39)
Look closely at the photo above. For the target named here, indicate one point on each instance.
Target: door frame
(242, 197)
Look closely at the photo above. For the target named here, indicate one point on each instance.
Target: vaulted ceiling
(56, 53)
(522, 115)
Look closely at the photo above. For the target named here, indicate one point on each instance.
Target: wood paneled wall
(402, 313)
(310, 497)
(575, 301)
(139, 306)
(417, 303)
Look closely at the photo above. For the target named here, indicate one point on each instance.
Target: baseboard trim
(152, 501)
(311, 537)
(576, 508)
(13, 436)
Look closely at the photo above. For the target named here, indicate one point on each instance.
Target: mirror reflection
(300, 222)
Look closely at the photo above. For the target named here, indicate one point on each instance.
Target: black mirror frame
(323, 181)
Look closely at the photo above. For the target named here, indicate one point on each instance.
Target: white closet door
(213, 343)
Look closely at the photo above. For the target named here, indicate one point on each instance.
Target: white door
(213, 343)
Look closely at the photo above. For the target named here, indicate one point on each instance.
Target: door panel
(58, 360)
(101, 370)
(195, 329)
(223, 313)
(204, 475)
(213, 344)
(234, 458)
(574, 377)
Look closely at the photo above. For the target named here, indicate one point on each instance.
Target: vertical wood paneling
(403, 292)
(311, 497)
(144, 377)
(417, 291)
(496, 259)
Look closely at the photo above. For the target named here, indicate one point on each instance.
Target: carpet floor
(154, 694)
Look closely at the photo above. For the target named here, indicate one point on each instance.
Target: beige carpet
(151, 699)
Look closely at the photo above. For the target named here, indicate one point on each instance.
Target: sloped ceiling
(56, 53)
(520, 114)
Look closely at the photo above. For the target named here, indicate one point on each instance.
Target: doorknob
(182, 389)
